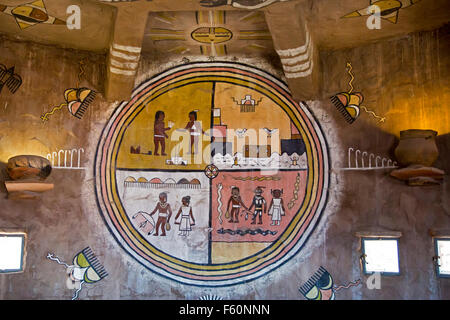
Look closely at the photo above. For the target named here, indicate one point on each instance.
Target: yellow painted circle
(211, 35)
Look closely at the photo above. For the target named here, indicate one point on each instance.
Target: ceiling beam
(296, 48)
(170, 5)
(124, 53)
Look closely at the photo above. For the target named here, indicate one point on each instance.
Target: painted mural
(321, 286)
(389, 9)
(30, 14)
(85, 268)
(209, 33)
(9, 78)
(203, 191)
(77, 100)
(349, 104)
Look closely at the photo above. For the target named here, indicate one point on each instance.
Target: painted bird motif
(389, 9)
(7, 77)
(240, 132)
(270, 132)
(30, 14)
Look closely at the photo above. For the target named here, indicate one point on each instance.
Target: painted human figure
(277, 209)
(259, 203)
(187, 218)
(195, 130)
(236, 203)
(164, 214)
(160, 135)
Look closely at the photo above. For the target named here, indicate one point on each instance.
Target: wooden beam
(296, 48)
(20, 186)
(124, 53)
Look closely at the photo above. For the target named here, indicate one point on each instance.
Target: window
(12, 248)
(442, 248)
(380, 255)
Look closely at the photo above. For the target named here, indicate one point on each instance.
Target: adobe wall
(404, 80)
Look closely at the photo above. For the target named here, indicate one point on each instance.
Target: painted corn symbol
(321, 286)
(85, 269)
(7, 77)
(349, 103)
(77, 100)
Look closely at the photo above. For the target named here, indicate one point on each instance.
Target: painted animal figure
(145, 222)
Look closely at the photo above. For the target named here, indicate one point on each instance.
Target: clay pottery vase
(417, 147)
(26, 167)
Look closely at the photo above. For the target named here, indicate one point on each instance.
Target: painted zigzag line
(247, 231)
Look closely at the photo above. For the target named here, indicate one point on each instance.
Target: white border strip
(123, 55)
(122, 72)
(300, 74)
(127, 48)
(124, 65)
(299, 67)
(300, 58)
(296, 51)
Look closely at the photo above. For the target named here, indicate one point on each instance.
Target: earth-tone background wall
(393, 75)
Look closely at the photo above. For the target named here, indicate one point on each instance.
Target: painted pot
(417, 147)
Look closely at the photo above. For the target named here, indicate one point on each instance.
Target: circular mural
(211, 175)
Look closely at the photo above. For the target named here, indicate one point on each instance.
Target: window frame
(23, 235)
(436, 254)
(378, 238)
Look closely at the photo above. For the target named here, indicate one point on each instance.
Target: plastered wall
(404, 80)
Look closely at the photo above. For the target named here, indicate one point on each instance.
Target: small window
(380, 255)
(442, 247)
(12, 248)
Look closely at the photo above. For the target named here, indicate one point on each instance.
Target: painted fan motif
(7, 77)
